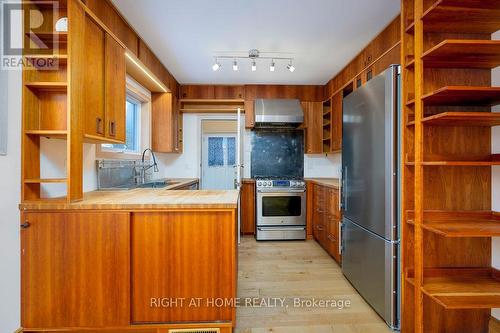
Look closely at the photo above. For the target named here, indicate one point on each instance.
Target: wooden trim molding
(494, 325)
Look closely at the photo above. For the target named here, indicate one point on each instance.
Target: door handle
(112, 128)
(98, 125)
(25, 225)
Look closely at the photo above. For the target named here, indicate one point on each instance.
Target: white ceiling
(322, 35)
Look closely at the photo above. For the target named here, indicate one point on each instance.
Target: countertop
(329, 182)
(145, 199)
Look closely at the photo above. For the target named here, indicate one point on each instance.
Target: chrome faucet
(146, 168)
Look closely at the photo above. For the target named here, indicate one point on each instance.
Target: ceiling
(322, 35)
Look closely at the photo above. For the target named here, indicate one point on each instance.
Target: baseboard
(494, 325)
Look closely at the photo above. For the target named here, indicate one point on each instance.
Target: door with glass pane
(218, 162)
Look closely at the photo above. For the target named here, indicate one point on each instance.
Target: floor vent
(195, 330)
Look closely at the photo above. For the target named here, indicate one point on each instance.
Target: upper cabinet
(336, 122)
(212, 92)
(166, 136)
(249, 114)
(103, 85)
(312, 126)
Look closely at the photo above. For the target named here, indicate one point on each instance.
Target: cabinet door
(115, 88)
(93, 83)
(183, 255)
(249, 114)
(75, 270)
(248, 207)
(313, 127)
(229, 92)
(164, 123)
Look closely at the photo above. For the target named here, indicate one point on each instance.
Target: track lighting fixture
(253, 55)
(216, 66)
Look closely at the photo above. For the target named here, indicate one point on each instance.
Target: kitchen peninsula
(102, 261)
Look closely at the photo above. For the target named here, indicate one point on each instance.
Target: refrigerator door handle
(343, 189)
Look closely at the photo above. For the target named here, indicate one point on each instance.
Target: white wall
(322, 166)
(495, 173)
(10, 197)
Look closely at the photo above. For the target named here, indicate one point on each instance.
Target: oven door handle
(281, 229)
(280, 191)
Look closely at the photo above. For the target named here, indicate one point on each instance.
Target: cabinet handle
(25, 225)
(330, 237)
(98, 126)
(319, 227)
(112, 128)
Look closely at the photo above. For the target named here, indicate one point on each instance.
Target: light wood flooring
(303, 270)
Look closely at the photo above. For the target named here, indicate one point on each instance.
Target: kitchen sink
(157, 184)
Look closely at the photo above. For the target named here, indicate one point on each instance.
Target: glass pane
(131, 130)
(281, 206)
(231, 151)
(215, 152)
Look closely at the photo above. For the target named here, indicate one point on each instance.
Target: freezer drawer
(370, 263)
(281, 233)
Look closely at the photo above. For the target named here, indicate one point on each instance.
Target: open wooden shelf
(462, 16)
(61, 59)
(326, 124)
(48, 39)
(460, 224)
(47, 86)
(484, 162)
(55, 134)
(461, 288)
(462, 95)
(49, 4)
(211, 105)
(485, 119)
(46, 181)
(463, 54)
(410, 28)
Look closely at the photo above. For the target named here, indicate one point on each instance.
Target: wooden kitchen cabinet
(165, 246)
(104, 85)
(75, 269)
(249, 114)
(115, 89)
(229, 92)
(166, 133)
(326, 218)
(313, 140)
(247, 209)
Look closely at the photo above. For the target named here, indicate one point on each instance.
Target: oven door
(281, 208)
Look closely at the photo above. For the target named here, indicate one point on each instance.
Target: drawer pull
(112, 128)
(98, 126)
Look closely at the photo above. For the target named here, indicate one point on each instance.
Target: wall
(495, 198)
(10, 196)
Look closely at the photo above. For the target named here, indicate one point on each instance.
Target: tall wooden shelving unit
(447, 56)
(45, 94)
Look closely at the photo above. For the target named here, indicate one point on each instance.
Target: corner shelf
(61, 59)
(46, 181)
(47, 86)
(52, 134)
(463, 54)
(48, 39)
(462, 95)
(455, 224)
(462, 16)
(461, 288)
(485, 119)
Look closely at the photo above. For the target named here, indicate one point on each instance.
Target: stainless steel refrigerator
(370, 176)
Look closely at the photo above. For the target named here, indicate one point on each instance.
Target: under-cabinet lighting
(142, 68)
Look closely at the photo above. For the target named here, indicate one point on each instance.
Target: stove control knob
(269, 183)
(293, 183)
(259, 183)
(302, 184)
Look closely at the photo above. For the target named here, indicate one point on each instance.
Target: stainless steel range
(281, 209)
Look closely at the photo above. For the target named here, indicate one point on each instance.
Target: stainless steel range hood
(278, 113)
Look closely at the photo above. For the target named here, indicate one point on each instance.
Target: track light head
(272, 67)
(290, 67)
(216, 66)
(235, 66)
(254, 66)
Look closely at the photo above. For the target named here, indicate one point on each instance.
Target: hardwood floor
(298, 270)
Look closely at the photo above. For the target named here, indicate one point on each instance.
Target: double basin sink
(156, 184)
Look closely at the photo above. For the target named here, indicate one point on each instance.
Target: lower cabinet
(75, 269)
(247, 208)
(326, 219)
(178, 257)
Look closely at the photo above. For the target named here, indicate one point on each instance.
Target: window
(132, 131)
(221, 151)
(137, 126)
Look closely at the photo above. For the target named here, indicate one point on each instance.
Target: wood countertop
(329, 182)
(144, 199)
